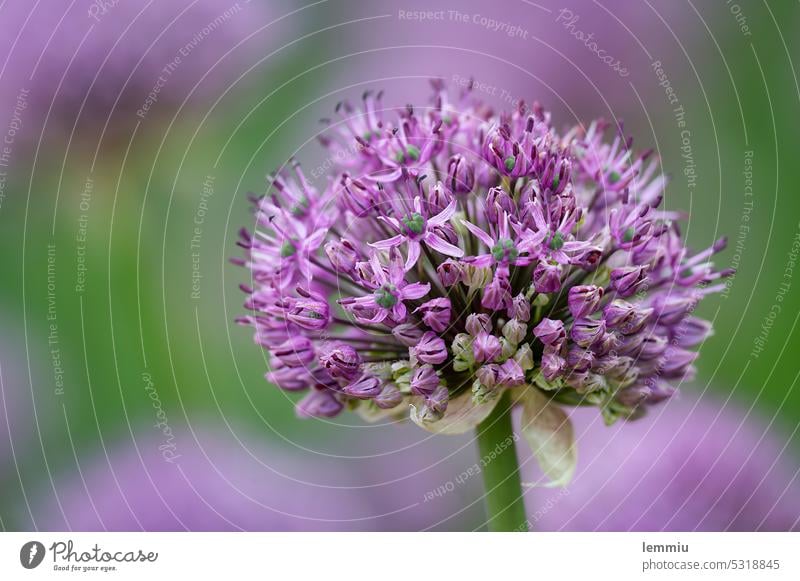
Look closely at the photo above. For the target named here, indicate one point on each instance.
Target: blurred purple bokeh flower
(136, 56)
(219, 482)
(582, 57)
(697, 465)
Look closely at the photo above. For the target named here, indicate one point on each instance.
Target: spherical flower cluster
(456, 253)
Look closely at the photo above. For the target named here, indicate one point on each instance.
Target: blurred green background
(136, 313)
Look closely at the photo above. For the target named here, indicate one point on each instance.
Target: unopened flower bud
(318, 404)
(511, 374)
(547, 277)
(436, 314)
(341, 361)
(580, 359)
(524, 357)
(288, 378)
(671, 310)
(438, 197)
(677, 362)
(478, 323)
(652, 346)
(366, 387)
(481, 393)
(522, 308)
(486, 347)
(618, 313)
(692, 331)
(295, 352)
(497, 296)
(552, 364)
(342, 254)
(430, 349)
(498, 199)
(463, 357)
(460, 175)
(550, 331)
(589, 259)
(583, 300)
(488, 375)
(475, 277)
(424, 380)
(437, 401)
(586, 331)
(450, 272)
(507, 349)
(628, 279)
(389, 397)
(408, 334)
(590, 383)
(515, 331)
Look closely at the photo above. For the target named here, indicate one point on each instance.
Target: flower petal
(379, 316)
(393, 222)
(313, 242)
(478, 233)
(441, 245)
(549, 433)
(444, 216)
(415, 291)
(377, 270)
(389, 242)
(399, 312)
(480, 261)
(413, 254)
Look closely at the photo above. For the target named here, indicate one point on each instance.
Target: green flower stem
(504, 502)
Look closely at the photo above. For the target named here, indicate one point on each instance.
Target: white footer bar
(407, 556)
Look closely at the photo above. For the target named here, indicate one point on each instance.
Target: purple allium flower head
(447, 226)
(696, 465)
